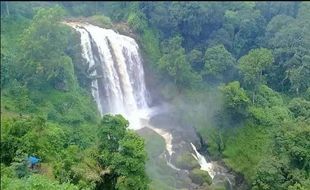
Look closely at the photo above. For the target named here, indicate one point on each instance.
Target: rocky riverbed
(179, 156)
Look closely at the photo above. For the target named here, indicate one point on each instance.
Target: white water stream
(204, 165)
(119, 86)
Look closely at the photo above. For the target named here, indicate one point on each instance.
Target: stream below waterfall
(119, 88)
(218, 173)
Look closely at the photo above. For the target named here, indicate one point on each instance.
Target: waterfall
(204, 165)
(216, 172)
(118, 85)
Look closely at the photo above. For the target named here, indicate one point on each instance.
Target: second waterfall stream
(118, 85)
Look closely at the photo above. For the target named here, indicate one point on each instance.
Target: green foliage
(290, 46)
(51, 122)
(292, 140)
(21, 94)
(269, 115)
(300, 108)
(267, 97)
(298, 77)
(218, 62)
(289, 167)
(10, 31)
(43, 46)
(215, 141)
(64, 107)
(269, 175)
(83, 8)
(101, 20)
(151, 45)
(307, 94)
(272, 9)
(130, 162)
(195, 57)
(31, 136)
(85, 165)
(246, 147)
(19, 166)
(18, 10)
(269, 109)
(241, 27)
(277, 23)
(123, 152)
(247, 24)
(303, 12)
(112, 132)
(137, 21)
(253, 64)
(174, 63)
(38, 78)
(35, 182)
(235, 98)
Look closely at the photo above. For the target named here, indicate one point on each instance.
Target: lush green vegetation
(237, 71)
(47, 110)
(241, 76)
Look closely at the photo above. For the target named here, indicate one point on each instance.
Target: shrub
(101, 20)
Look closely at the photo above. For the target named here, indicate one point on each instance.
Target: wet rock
(179, 131)
(200, 177)
(186, 161)
(187, 166)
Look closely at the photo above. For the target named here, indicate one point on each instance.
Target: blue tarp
(33, 160)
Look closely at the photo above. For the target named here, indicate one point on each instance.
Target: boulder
(186, 161)
(200, 177)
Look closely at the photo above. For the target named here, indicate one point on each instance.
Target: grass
(244, 150)
(47, 170)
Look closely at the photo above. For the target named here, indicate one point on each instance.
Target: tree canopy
(239, 72)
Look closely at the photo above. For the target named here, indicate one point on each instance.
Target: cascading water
(211, 168)
(114, 62)
(206, 166)
(118, 85)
